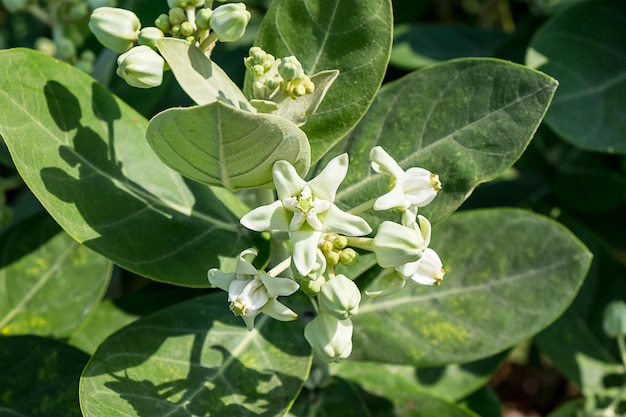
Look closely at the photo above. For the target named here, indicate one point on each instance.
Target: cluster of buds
(323, 236)
(275, 79)
(140, 64)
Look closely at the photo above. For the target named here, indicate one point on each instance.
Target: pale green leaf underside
(522, 266)
(49, 283)
(202, 79)
(83, 153)
(466, 120)
(196, 359)
(352, 36)
(590, 64)
(217, 144)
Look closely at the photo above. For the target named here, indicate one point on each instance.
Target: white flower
(251, 292)
(306, 210)
(427, 270)
(414, 188)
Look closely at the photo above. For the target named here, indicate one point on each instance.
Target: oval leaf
(217, 144)
(39, 377)
(467, 120)
(202, 79)
(352, 36)
(510, 273)
(590, 64)
(49, 283)
(84, 155)
(196, 359)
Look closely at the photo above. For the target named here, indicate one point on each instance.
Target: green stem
(622, 349)
(362, 207)
(190, 12)
(40, 14)
(11, 183)
(364, 243)
(208, 44)
(506, 17)
(280, 267)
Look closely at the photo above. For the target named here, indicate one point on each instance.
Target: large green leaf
(196, 359)
(415, 46)
(39, 377)
(352, 36)
(343, 398)
(510, 273)
(218, 144)
(467, 120)
(84, 155)
(49, 283)
(590, 64)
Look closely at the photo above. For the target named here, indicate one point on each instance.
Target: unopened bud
(290, 68)
(229, 21)
(177, 16)
(186, 29)
(348, 257)
(395, 245)
(312, 287)
(203, 18)
(614, 323)
(115, 28)
(163, 23)
(330, 338)
(141, 67)
(185, 3)
(149, 37)
(340, 297)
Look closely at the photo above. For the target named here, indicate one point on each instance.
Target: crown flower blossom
(415, 187)
(306, 210)
(251, 292)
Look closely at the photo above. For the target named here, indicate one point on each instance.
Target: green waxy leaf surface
(49, 283)
(522, 266)
(590, 64)
(352, 36)
(466, 120)
(202, 79)
(217, 144)
(39, 377)
(197, 359)
(415, 46)
(83, 153)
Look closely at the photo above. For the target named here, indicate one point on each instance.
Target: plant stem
(207, 45)
(362, 207)
(280, 267)
(364, 243)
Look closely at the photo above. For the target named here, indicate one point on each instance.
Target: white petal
(305, 250)
(276, 286)
(338, 221)
(325, 185)
(286, 180)
(244, 263)
(296, 221)
(383, 163)
(388, 284)
(278, 311)
(425, 229)
(429, 269)
(220, 279)
(314, 221)
(394, 198)
(270, 217)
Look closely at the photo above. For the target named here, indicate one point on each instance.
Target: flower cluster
(322, 236)
(275, 79)
(139, 64)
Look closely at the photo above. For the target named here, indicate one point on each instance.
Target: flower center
(239, 308)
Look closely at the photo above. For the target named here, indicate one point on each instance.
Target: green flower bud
(149, 37)
(163, 23)
(66, 49)
(229, 21)
(348, 257)
(614, 322)
(186, 29)
(340, 242)
(46, 45)
(141, 67)
(185, 3)
(330, 338)
(395, 245)
(312, 287)
(78, 11)
(203, 17)
(117, 29)
(290, 68)
(177, 16)
(340, 297)
(14, 5)
(332, 258)
(94, 4)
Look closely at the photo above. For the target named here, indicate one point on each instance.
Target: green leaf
(217, 144)
(466, 120)
(415, 46)
(83, 153)
(569, 409)
(196, 359)
(591, 68)
(39, 377)
(450, 383)
(203, 80)
(352, 36)
(49, 283)
(343, 398)
(510, 273)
